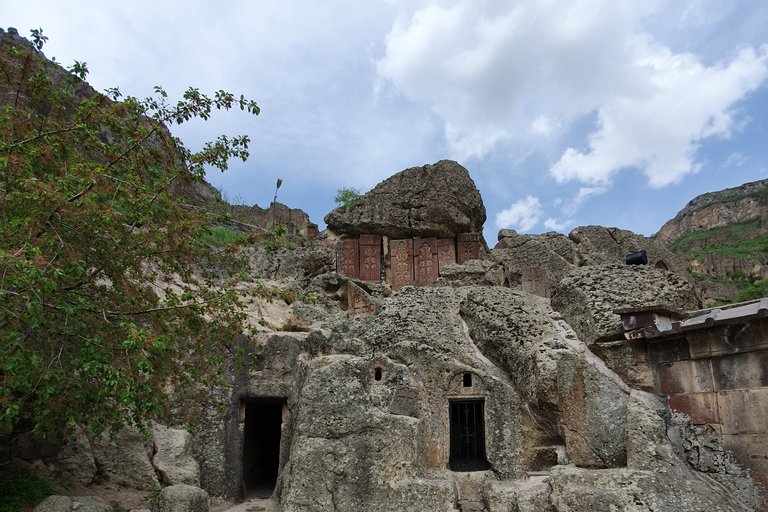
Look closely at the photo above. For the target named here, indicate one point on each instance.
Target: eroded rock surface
(438, 200)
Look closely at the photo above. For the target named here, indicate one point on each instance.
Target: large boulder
(173, 456)
(439, 200)
(588, 295)
(125, 459)
(181, 498)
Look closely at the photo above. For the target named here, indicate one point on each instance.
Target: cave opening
(261, 446)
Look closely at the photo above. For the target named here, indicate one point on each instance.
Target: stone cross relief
(404, 401)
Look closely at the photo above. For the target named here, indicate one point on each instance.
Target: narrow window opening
(261, 446)
(467, 436)
(377, 373)
(467, 380)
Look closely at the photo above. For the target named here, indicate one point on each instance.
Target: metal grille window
(467, 436)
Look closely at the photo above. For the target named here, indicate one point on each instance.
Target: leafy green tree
(346, 198)
(108, 301)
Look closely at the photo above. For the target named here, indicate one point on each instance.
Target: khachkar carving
(425, 261)
(535, 281)
(370, 258)
(349, 259)
(446, 252)
(401, 258)
(469, 247)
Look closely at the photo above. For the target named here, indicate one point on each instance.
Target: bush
(22, 489)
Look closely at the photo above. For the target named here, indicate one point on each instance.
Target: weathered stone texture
(438, 200)
(588, 295)
(68, 504)
(126, 459)
(181, 498)
(173, 458)
(670, 488)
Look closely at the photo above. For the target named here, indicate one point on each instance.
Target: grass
(220, 236)
(22, 489)
(734, 235)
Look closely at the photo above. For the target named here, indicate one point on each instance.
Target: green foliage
(219, 236)
(275, 239)
(21, 489)
(747, 248)
(347, 198)
(756, 290)
(93, 328)
(732, 234)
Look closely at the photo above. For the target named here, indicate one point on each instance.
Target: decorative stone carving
(401, 258)
(370, 258)
(535, 281)
(349, 259)
(469, 247)
(425, 261)
(446, 252)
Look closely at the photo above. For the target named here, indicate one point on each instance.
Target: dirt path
(252, 505)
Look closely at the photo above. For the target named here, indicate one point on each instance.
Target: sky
(565, 112)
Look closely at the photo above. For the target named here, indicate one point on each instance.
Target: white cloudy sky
(565, 112)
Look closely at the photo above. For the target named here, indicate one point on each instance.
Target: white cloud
(526, 70)
(572, 206)
(555, 225)
(659, 128)
(522, 215)
(735, 160)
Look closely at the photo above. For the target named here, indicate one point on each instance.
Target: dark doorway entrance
(467, 436)
(261, 446)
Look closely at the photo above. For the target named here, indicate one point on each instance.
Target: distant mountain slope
(722, 237)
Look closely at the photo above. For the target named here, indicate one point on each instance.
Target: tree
(346, 198)
(109, 301)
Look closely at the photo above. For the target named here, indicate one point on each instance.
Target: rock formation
(438, 200)
(721, 238)
(506, 384)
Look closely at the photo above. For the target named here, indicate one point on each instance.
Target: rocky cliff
(506, 384)
(721, 239)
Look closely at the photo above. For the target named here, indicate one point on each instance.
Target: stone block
(740, 371)
(692, 376)
(370, 258)
(751, 450)
(744, 411)
(540, 458)
(668, 350)
(401, 257)
(446, 252)
(349, 259)
(700, 343)
(736, 337)
(468, 247)
(425, 269)
(700, 407)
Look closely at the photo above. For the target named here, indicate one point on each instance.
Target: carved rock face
(439, 200)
